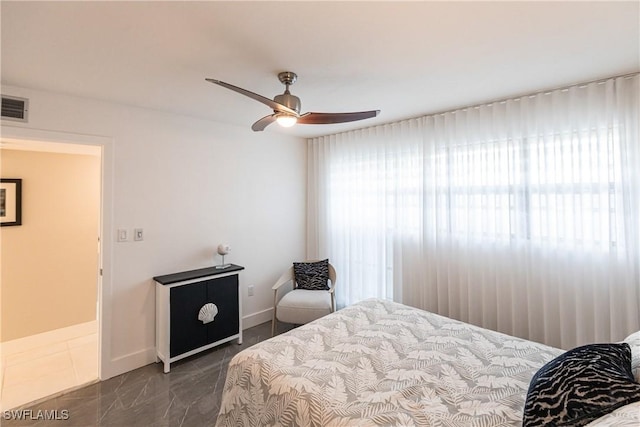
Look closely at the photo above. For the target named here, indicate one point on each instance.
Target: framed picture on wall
(10, 202)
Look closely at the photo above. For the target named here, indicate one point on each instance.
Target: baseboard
(256, 319)
(129, 362)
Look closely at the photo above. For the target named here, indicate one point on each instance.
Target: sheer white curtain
(521, 216)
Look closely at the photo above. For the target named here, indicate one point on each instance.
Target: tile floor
(31, 374)
(188, 396)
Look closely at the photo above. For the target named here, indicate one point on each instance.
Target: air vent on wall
(14, 108)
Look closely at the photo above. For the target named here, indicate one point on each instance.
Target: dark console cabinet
(181, 299)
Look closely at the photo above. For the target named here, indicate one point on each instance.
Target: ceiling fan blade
(329, 118)
(266, 101)
(263, 123)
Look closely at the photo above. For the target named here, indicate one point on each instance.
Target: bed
(380, 363)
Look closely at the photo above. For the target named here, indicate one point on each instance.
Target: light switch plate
(122, 235)
(138, 234)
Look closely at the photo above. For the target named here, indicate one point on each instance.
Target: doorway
(38, 360)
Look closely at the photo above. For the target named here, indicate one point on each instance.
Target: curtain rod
(496, 101)
(526, 95)
(539, 92)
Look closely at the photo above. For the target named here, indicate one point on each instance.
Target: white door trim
(17, 133)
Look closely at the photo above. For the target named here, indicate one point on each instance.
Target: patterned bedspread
(380, 363)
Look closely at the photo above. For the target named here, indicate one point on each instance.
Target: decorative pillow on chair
(312, 275)
(634, 342)
(580, 386)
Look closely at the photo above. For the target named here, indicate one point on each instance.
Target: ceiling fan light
(286, 120)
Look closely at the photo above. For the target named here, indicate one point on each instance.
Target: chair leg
(275, 308)
(273, 323)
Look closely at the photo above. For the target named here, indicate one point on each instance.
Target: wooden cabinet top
(168, 279)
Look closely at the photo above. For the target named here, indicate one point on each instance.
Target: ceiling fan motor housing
(291, 101)
(288, 100)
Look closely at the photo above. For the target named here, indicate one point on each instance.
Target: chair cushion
(312, 275)
(301, 306)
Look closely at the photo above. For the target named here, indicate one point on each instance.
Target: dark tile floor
(187, 396)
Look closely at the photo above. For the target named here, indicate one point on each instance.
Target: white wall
(190, 184)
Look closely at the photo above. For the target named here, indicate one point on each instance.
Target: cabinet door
(187, 332)
(223, 292)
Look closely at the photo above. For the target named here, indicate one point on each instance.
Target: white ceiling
(406, 59)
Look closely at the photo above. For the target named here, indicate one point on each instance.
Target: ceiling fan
(286, 107)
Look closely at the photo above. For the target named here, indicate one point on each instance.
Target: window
(556, 190)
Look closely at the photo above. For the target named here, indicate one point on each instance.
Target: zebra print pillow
(312, 275)
(580, 386)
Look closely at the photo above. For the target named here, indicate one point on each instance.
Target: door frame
(105, 257)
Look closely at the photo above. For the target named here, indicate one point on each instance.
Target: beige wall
(49, 263)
